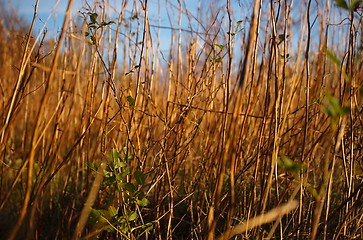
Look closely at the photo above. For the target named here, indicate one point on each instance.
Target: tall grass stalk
(233, 120)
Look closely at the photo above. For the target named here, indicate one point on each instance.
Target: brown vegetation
(267, 148)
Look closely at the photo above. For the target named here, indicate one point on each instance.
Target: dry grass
(220, 142)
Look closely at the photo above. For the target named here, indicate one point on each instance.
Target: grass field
(242, 129)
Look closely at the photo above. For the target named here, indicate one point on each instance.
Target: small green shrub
(124, 218)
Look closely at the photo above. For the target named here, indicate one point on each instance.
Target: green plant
(93, 25)
(352, 6)
(124, 218)
(333, 108)
(289, 165)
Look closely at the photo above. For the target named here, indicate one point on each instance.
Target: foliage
(353, 5)
(333, 108)
(94, 25)
(125, 218)
(289, 165)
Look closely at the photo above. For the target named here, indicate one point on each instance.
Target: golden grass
(220, 145)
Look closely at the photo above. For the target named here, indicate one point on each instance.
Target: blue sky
(47, 8)
(56, 9)
(25, 9)
(241, 11)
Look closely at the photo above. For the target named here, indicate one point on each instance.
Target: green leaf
(103, 24)
(361, 90)
(129, 187)
(139, 194)
(91, 166)
(132, 216)
(124, 149)
(312, 191)
(221, 47)
(143, 202)
(93, 17)
(131, 101)
(94, 216)
(282, 37)
(354, 4)
(124, 227)
(147, 227)
(289, 165)
(333, 58)
(120, 164)
(119, 177)
(110, 177)
(112, 211)
(333, 108)
(342, 4)
(239, 23)
(139, 177)
(114, 155)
